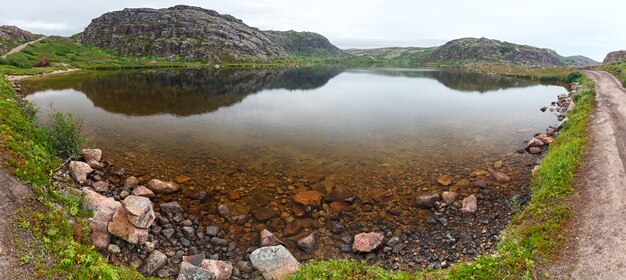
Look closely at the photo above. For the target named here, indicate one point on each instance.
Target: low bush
(64, 134)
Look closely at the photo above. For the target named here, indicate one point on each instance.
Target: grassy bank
(532, 236)
(59, 249)
(616, 69)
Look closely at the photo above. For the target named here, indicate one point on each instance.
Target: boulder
(143, 191)
(500, 177)
(159, 186)
(449, 197)
(534, 150)
(80, 170)
(103, 209)
(367, 242)
(545, 138)
(155, 261)
(121, 227)
(139, 210)
(171, 207)
(131, 182)
(89, 154)
(191, 272)
(533, 143)
(444, 180)
(309, 198)
(101, 186)
(269, 239)
(274, 262)
(307, 243)
(264, 213)
(427, 200)
(94, 164)
(469, 205)
(219, 270)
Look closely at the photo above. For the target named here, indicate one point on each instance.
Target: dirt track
(596, 246)
(22, 46)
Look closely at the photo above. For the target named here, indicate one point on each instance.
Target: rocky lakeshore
(189, 226)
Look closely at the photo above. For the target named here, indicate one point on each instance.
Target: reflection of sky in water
(355, 112)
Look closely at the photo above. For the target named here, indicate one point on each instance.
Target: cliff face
(11, 36)
(616, 56)
(184, 32)
(307, 44)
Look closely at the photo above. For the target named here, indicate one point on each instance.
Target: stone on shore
(367, 242)
(171, 207)
(101, 186)
(269, 239)
(143, 191)
(139, 210)
(219, 270)
(534, 142)
(159, 186)
(80, 170)
(449, 197)
(534, 150)
(545, 139)
(155, 261)
(427, 200)
(89, 154)
(131, 182)
(469, 205)
(189, 271)
(103, 209)
(274, 262)
(307, 243)
(121, 227)
(94, 164)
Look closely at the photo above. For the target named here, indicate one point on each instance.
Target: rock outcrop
(307, 44)
(616, 56)
(12, 36)
(181, 32)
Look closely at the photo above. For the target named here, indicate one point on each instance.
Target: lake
(250, 139)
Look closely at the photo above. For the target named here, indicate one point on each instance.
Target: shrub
(572, 77)
(63, 131)
(18, 60)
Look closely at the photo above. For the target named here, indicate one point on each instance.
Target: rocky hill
(473, 51)
(12, 36)
(616, 56)
(307, 44)
(181, 32)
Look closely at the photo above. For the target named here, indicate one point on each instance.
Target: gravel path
(596, 246)
(22, 46)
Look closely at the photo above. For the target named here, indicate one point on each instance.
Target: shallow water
(273, 132)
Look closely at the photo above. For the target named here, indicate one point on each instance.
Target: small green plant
(515, 204)
(28, 109)
(64, 134)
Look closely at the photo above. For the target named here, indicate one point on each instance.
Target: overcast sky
(591, 28)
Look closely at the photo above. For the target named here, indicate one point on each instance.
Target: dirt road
(22, 46)
(596, 246)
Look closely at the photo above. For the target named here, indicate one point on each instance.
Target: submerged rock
(307, 243)
(444, 180)
(500, 177)
(269, 239)
(274, 262)
(309, 198)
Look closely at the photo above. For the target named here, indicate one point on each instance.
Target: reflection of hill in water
(180, 92)
(459, 80)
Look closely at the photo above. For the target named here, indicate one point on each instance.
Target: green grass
(60, 250)
(532, 236)
(617, 69)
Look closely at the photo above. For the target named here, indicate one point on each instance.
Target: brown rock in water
(300, 210)
(444, 180)
(480, 184)
(500, 177)
(427, 200)
(449, 197)
(269, 239)
(219, 270)
(307, 243)
(470, 205)
(143, 191)
(534, 150)
(476, 173)
(314, 178)
(292, 229)
(309, 198)
(264, 213)
(89, 154)
(80, 170)
(233, 195)
(339, 194)
(497, 164)
(182, 179)
(121, 227)
(342, 206)
(139, 209)
(381, 195)
(367, 242)
(159, 186)
(545, 139)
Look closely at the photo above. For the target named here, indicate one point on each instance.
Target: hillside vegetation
(306, 45)
(12, 36)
